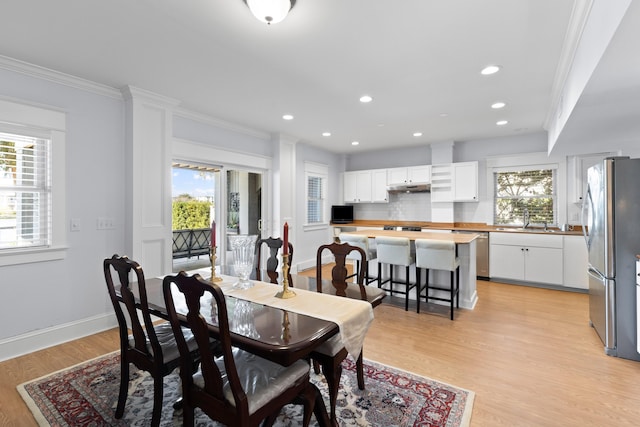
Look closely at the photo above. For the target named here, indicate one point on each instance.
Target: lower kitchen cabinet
(526, 257)
(576, 262)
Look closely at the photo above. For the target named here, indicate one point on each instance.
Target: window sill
(26, 256)
(313, 227)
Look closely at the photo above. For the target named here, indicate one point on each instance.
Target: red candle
(213, 234)
(285, 248)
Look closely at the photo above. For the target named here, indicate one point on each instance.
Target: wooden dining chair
(274, 245)
(238, 388)
(150, 347)
(330, 354)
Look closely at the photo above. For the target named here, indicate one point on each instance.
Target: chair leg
(418, 289)
(319, 409)
(188, 416)
(426, 285)
(316, 367)
(452, 294)
(124, 386)
(406, 290)
(332, 372)
(360, 371)
(458, 287)
(158, 387)
(309, 402)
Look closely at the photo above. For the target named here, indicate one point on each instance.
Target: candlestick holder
(212, 258)
(286, 333)
(285, 292)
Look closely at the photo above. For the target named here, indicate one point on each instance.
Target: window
(32, 184)
(25, 191)
(522, 195)
(316, 180)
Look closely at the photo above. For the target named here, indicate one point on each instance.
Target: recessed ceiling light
(491, 69)
(444, 115)
(326, 133)
(498, 105)
(417, 134)
(287, 117)
(355, 143)
(366, 98)
(502, 122)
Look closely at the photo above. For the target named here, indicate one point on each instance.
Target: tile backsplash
(401, 207)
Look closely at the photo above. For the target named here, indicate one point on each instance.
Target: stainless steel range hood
(409, 188)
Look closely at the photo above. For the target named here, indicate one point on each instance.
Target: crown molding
(58, 77)
(579, 17)
(208, 120)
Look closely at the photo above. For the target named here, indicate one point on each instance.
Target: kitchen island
(465, 246)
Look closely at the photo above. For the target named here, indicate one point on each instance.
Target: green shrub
(190, 214)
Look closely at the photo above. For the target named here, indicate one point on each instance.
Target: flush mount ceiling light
(270, 11)
(355, 143)
(287, 117)
(491, 69)
(501, 122)
(416, 134)
(498, 105)
(326, 133)
(366, 98)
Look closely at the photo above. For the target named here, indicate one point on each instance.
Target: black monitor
(341, 214)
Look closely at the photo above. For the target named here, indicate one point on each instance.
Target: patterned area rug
(86, 395)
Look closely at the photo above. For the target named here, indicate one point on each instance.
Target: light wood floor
(528, 354)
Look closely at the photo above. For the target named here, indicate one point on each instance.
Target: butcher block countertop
(458, 226)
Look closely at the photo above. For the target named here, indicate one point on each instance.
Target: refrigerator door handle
(587, 201)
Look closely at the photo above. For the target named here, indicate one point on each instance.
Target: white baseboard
(44, 338)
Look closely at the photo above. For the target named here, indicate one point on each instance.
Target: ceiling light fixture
(270, 11)
(366, 98)
(326, 133)
(287, 117)
(491, 69)
(417, 134)
(502, 122)
(498, 105)
(355, 143)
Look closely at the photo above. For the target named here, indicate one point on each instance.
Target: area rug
(86, 395)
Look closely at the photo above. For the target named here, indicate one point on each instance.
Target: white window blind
(522, 195)
(315, 200)
(25, 191)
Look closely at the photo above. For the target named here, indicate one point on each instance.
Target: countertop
(461, 226)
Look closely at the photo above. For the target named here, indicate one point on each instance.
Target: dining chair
(363, 243)
(237, 388)
(395, 251)
(438, 255)
(331, 353)
(274, 245)
(150, 347)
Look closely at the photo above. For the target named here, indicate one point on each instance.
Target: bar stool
(437, 255)
(361, 242)
(395, 251)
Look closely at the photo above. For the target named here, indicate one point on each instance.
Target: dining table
(280, 330)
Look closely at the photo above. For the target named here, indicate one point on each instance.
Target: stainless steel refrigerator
(611, 224)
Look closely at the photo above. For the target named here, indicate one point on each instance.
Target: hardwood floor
(529, 355)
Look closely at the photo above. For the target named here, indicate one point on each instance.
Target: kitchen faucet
(525, 218)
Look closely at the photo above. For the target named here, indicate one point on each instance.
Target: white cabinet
(454, 182)
(365, 186)
(581, 165)
(379, 184)
(526, 257)
(575, 262)
(465, 182)
(410, 175)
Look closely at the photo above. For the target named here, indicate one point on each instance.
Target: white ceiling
(419, 59)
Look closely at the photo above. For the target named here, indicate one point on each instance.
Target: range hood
(409, 188)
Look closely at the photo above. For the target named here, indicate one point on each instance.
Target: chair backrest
(359, 241)
(128, 319)
(339, 271)
(274, 245)
(436, 254)
(213, 393)
(394, 250)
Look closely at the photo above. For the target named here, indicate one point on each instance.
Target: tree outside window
(533, 190)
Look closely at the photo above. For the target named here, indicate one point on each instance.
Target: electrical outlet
(74, 224)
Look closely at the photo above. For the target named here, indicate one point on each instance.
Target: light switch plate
(74, 224)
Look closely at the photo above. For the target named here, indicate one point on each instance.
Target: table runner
(352, 316)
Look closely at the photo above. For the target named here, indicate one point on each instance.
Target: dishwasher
(482, 253)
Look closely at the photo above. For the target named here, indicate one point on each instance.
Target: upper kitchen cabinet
(465, 182)
(454, 182)
(410, 175)
(366, 186)
(581, 165)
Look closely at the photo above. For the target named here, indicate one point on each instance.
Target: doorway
(244, 202)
